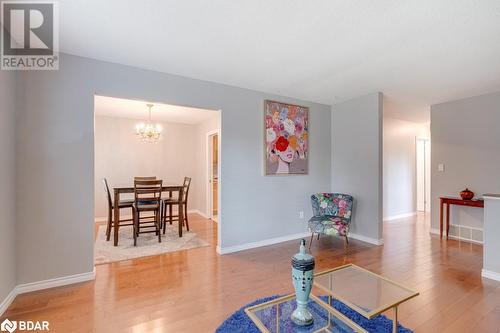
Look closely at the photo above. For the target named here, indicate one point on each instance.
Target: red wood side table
(454, 201)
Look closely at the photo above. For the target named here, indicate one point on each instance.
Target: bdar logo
(8, 326)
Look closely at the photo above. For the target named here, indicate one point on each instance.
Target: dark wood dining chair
(145, 178)
(111, 206)
(169, 203)
(147, 199)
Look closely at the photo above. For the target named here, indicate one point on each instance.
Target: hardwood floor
(195, 290)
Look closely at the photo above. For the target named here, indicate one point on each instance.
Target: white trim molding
(272, 241)
(45, 284)
(57, 282)
(490, 275)
(8, 301)
(399, 216)
(365, 239)
(265, 242)
(199, 212)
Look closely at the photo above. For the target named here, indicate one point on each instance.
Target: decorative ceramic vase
(467, 194)
(302, 278)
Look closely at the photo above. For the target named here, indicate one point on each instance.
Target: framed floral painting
(286, 138)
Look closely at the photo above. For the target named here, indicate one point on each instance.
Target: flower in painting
(276, 117)
(298, 127)
(289, 126)
(282, 143)
(269, 121)
(293, 141)
(270, 135)
(292, 112)
(284, 113)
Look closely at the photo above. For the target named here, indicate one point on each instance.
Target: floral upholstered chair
(332, 215)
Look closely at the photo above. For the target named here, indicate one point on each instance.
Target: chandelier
(149, 132)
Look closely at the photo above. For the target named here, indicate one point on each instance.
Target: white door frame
(426, 166)
(208, 179)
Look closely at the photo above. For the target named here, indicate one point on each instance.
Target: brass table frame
(375, 312)
(331, 311)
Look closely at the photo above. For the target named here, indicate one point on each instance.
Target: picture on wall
(286, 138)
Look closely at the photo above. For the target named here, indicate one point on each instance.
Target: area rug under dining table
(147, 244)
(239, 322)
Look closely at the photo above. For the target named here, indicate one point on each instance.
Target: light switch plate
(441, 167)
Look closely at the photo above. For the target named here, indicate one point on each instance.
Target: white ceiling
(417, 52)
(133, 109)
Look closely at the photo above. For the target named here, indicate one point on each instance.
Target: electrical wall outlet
(301, 214)
(440, 167)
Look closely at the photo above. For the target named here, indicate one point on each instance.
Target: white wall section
(7, 180)
(357, 160)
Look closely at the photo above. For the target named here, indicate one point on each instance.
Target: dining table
(169, 188)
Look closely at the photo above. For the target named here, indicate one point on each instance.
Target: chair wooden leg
(346, 244)
(311, 241)
(158, 226)
(134, 217)
(170, 213)
(108, 228)
(318, 236)
(186, 216)
(167, 206)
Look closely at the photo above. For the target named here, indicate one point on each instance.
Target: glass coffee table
(365, 292)
(274, 316)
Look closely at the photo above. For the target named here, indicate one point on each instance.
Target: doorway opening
(213, 148)
(163, 144)
(423, 170)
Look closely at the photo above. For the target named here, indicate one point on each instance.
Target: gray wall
(7, 181)
(465, 137)
(55, 158)
(357, 160)
(492, 234)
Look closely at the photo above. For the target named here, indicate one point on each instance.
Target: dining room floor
(195, 290)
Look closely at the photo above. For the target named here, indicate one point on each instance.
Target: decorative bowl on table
(467, 194)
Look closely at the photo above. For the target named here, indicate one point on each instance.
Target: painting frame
(273, 164)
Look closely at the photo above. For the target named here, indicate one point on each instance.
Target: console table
(454, 201)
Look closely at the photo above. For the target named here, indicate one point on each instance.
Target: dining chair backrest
(145, 178)
(147, 191)
(108, 193)
(187, 184)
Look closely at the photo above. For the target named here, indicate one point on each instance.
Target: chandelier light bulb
(148, 132)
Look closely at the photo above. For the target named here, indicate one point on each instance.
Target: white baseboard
(196, 211)
(272, 241)
(8, 301)
(490, 275)
(435, 231)
(365, 239)
(45, 284)
(57, 282)
(400, 216)
(266, 242)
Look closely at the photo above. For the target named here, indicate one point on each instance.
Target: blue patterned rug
(239, 322)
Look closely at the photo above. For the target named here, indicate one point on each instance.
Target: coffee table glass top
(274, 316)
(365, 292)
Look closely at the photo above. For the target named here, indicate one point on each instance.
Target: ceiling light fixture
(148, 132)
